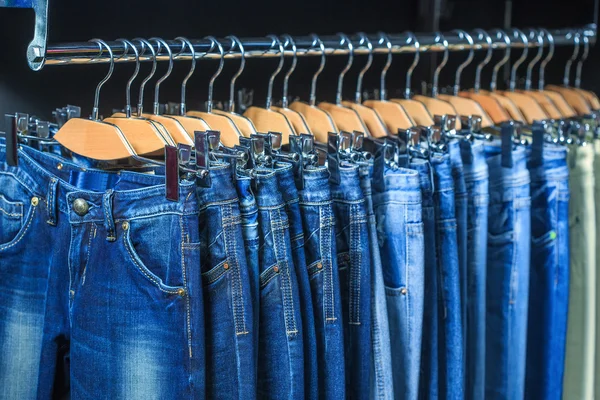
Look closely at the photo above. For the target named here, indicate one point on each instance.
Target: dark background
(74, 20)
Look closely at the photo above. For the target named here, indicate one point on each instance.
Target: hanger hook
(289, 41)
(566, 78)
(136, 72)
(340, 86)
(463, 34)
(412, 38)
(275, 42)
(102, 43)
(584, 56)
(211, 84)
(488, 39)
(494, 81)
(313, 85)
(513, 70)
(145, 44)
(538, 57)
(364, 39)
(546, 33)
(159, 41)
(388, 63)
(185, 42)
(236, 41)
(439, 37)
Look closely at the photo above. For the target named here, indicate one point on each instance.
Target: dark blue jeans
(230, 346)
(123, 288)
(354, 262)
(281, 348)
(398, 209)
(316, 207)
(508, 258)
(549, 280)
(381, 366)
(429, 382)
(451, 353)
(289, 192)
(477, 181)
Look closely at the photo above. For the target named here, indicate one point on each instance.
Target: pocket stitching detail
(21, 234)
(5, 212)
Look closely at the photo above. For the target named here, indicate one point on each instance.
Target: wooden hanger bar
(86, 52)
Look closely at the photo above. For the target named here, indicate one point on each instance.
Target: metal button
(125, 225)
(404, 290)
(59, 166)
(35, 201)
(181, 292)
(319, 266)
(225, 266)
(81, 207)
(276, 269)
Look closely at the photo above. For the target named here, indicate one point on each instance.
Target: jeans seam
(21, 234)
(406, 261)
(87, 258)
(3, 211)
(187, 297)
(326, 254)
(355, 264)
(236, 292)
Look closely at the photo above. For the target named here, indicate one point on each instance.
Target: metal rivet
(276, 268)
(35, 201)
(81, 207)
(125, 225)
(404, 290)
(59, 166)
(319, 266)
(181, 292)
(225, 266)
(53, 180)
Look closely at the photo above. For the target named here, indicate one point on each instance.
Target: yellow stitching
(22, 233)
(10, 214)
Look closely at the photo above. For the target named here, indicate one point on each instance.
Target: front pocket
(501, 239)
(153, 250)
(11, 219)
(544, 239)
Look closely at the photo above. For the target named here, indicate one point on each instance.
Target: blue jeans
(281, 349)
(429, 382)
(381, 365)
(316, 207)
(121, 290)
(354, 262)
(508, 258)
(398, 210)
(289, 192)
(477, 181)
(230, 331)
(549, 280)
(451, 353)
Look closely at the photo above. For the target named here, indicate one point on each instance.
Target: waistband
(402, 185)
(581, 159)
(516, 175)
(442, 167)
(267, 193)
(424, 169)
(286, 181)
(455, 153)
(221, 190)
(349, 188)
(316, 186)
(245, 193)
(554, 165)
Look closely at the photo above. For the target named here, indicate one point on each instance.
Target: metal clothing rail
(91, 52)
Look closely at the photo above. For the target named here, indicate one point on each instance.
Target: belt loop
(109, 223)
(51, 202)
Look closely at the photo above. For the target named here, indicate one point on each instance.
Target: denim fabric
(429, 382)
(280, 348)
(461, 204)
(508, 258)
(477, 181)
(354, 262)
(451, 352)
(316, 207)
(289, 192)
(123, 293)
(398, 210)
(230, 330)
(549, 279)
(581, 326)
(381, 365)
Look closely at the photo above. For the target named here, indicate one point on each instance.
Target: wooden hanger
(268, 120)
(589, 96)
(230, 133)
(318, 120)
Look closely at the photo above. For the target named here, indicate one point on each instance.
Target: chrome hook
(546, 60)
(145, 44)
(584, 56)
(186, 42)
(566, 78)
(538, 56)
(488, 39)
(136, 72)
(211, 83)
(494, 81)
(386, 67)
(513, 70)
(462, 34)
(236, 41)
(436, 75)
(95, 110)
(277, 42)
(348, 42)
(289, 41)
(412, 37)
(313, 85)
(363, 39)
(159, 41)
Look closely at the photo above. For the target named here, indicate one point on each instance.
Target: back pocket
(11, 219)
